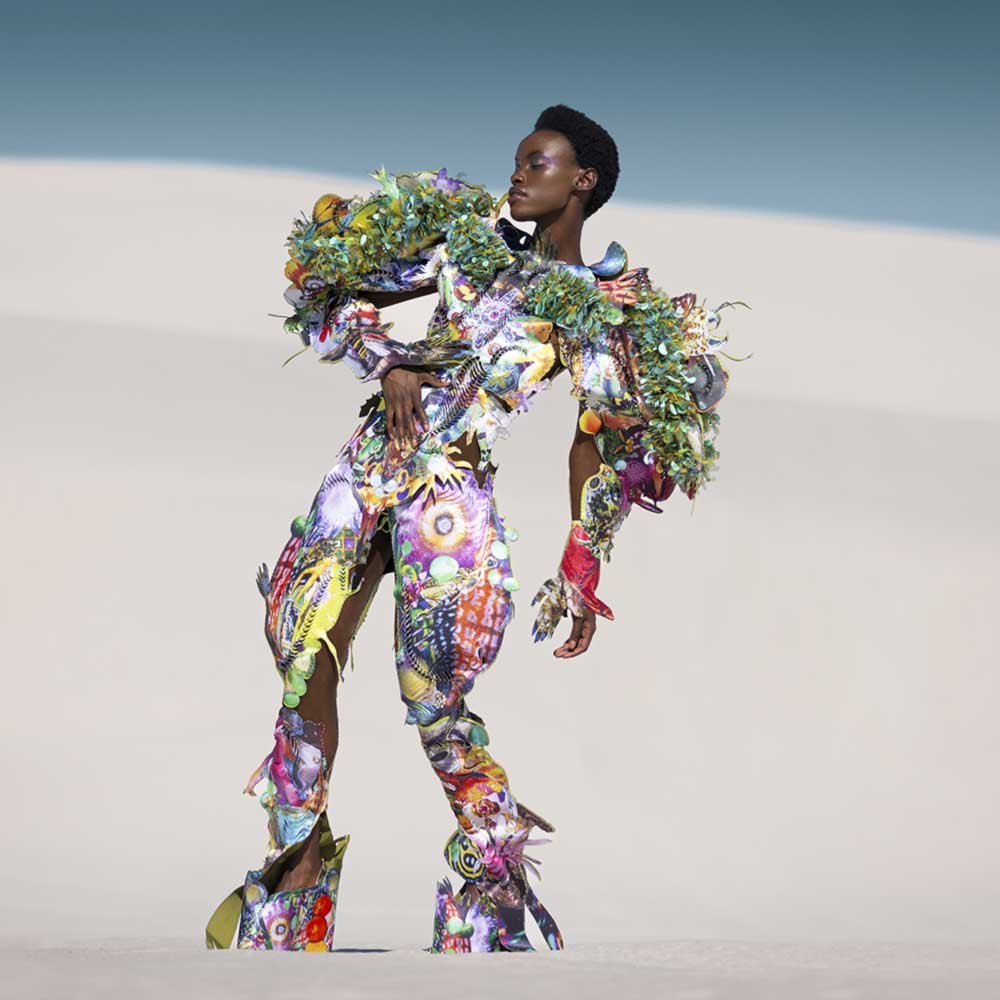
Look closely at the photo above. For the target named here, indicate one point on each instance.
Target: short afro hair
(592, 145)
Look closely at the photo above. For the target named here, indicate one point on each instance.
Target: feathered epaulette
(348, 239)
(573, 302)
(477, 249)
(681, 381)
(665, 346)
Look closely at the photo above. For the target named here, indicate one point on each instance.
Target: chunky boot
(295, 796)
(489, 909)
(299, 919)
(463, 923)
(487, 851)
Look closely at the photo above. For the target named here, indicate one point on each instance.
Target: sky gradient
(882, 112)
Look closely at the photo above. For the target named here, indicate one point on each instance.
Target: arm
(353, 257)
(598, 506)
(350, 328)
(652, 379)
(382, 300)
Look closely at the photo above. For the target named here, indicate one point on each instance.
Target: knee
(319, 701)
(434, 722)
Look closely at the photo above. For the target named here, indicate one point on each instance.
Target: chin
(517, 212)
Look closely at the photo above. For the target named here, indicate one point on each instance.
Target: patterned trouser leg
(453, 602)
(305, 594)
(295, 797)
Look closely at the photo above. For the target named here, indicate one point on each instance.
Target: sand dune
(789, 731)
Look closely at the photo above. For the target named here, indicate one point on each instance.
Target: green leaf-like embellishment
(571, 302)
(656, 332)
(410, 212)
(477, 249)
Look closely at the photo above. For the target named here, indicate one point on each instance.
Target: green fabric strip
(221, 926)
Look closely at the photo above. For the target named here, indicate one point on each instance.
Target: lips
(516, 193)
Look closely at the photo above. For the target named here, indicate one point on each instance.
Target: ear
(586, 179)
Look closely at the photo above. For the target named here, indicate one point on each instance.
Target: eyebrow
(534, 152)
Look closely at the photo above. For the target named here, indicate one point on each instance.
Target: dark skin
(556, 190)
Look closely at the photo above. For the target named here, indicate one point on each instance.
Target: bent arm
(349, 327)
(382, 300)
(355, 256)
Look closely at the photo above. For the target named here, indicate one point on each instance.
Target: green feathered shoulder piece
(676, 432)
(380, 241)
(677, 350)
(574, 303)
(477, 249)
(639, 358)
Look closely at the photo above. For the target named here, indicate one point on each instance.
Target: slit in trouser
(316, 573)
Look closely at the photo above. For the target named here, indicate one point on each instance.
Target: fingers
(390, 421)
(579, 638)
(396, 423)
(405, 416)
(571, 646)
(420, 415)
(399, 418)
(407, 425)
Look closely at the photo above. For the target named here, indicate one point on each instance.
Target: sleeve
(392, 241)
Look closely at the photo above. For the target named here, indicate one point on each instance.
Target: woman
(412, 492)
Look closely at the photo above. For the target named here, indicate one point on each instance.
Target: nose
(516, 176)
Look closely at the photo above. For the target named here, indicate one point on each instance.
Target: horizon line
(854, 221)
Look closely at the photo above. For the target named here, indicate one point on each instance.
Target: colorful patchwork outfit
(646, 369)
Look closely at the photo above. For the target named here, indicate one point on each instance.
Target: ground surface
(693, 970)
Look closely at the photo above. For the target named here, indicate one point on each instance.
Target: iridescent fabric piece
(461, 925)
(508, 319)
(297, 920)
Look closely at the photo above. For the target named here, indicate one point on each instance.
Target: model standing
(412, 492)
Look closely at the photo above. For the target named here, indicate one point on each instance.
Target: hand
(556, 599)
(584, 627)
(405, 418)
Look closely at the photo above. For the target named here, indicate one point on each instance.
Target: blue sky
(885, 112)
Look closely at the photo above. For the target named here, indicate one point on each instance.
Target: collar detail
(612, 264)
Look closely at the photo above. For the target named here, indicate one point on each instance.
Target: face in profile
(545, 176)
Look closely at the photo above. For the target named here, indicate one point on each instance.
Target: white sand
(676, 970)
(789, 732)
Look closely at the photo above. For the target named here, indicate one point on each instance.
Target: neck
(564, 231)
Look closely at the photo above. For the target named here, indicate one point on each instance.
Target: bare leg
(319, 703)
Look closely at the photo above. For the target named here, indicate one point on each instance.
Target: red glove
(581, 570)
